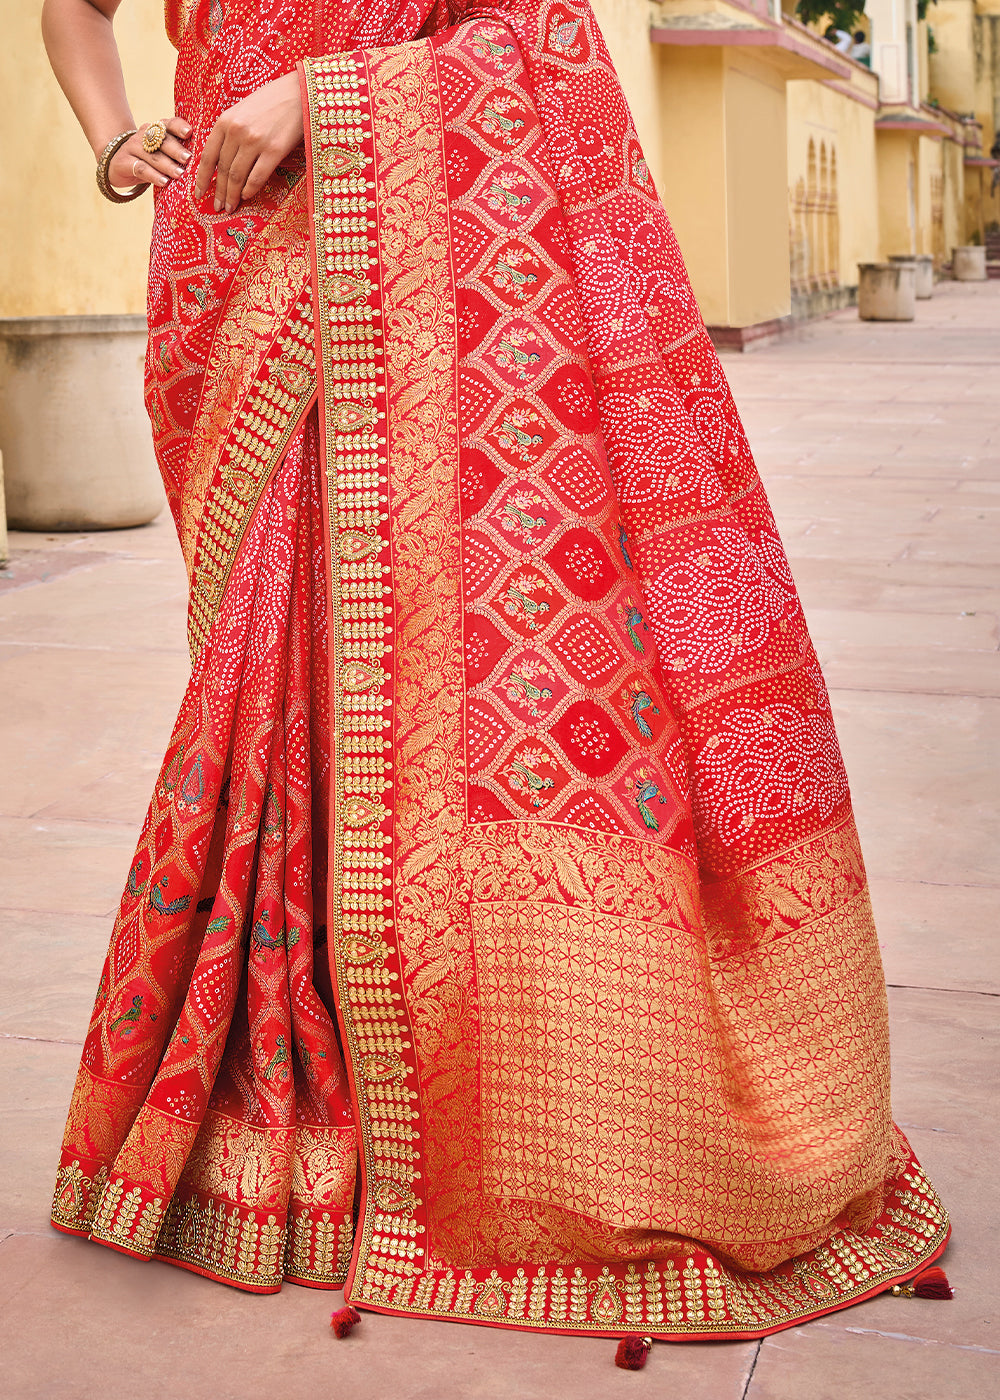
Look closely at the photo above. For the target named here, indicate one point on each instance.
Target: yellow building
(964, 76)
(782, 163)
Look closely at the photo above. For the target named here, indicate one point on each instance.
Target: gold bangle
(105, 159)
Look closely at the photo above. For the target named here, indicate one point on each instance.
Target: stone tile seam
(907, 1337)
(929, 694)
(937, 884)
(129, 650)
(948, 991)
(753, 1366)
(39, 1039)
(105, 915)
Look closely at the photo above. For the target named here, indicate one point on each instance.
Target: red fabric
(636, 688)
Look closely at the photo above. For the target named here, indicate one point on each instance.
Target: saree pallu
(503, 848)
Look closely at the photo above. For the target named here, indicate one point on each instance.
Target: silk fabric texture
(503, 847)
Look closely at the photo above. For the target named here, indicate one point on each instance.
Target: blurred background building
(783, 161)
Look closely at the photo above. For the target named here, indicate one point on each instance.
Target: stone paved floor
(880, 446)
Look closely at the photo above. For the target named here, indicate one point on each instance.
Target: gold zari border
(278, 399)
(249, 1247)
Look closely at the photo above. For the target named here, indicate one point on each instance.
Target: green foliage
(922, 7)
(844, 14)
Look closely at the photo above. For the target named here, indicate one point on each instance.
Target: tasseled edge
(344, 1321)
(632, 1352)
(932, 1283)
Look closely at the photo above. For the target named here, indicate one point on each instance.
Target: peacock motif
(522, 777)
(633, 619)
(646, 792)
(135, 884)
(637, 700)
(519, 602)
(279, 1058)
(502, 197)
(523, 691)
(493, 119)
(262, 937)
(484, 47)
(128, 1018)
(508, 355)
(163, 906)
(507, 276)
(515, 517)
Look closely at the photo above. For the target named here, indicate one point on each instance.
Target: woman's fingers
(171, 155)
(263, 169)
(249, 141)
(247, 175)
(131, 168)
(209, 159)
(176, 151)
(133, 165)
(235, 164)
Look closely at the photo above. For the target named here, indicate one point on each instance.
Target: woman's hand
(134, 166)
(249, 141)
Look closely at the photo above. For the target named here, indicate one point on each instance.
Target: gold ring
(154, 136)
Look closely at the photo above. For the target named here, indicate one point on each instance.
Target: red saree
(503, 846)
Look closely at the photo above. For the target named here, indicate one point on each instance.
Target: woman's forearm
(80, 42)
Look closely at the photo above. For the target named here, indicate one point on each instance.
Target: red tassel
(932, 1283)
(344, 1321)
(632, 1352)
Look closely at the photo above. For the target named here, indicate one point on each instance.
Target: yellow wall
(823, 113)
(965, 70)
(952, 67)
(965, 77)
(66, 250)
(976, 187)
(988, 69)
(953, 171)
(928, 163)
(923, 60)
(724, 179)
(897, 192)
(756, 191)
(692, 184)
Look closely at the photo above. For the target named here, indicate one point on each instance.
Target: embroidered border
(354, 427)
(280, 396)
(254, 1248)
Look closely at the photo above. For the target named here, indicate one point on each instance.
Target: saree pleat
(503, 852)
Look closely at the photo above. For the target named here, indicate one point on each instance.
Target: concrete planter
(969, 264)
(923, 264)
(74, 433)
(887, 291)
